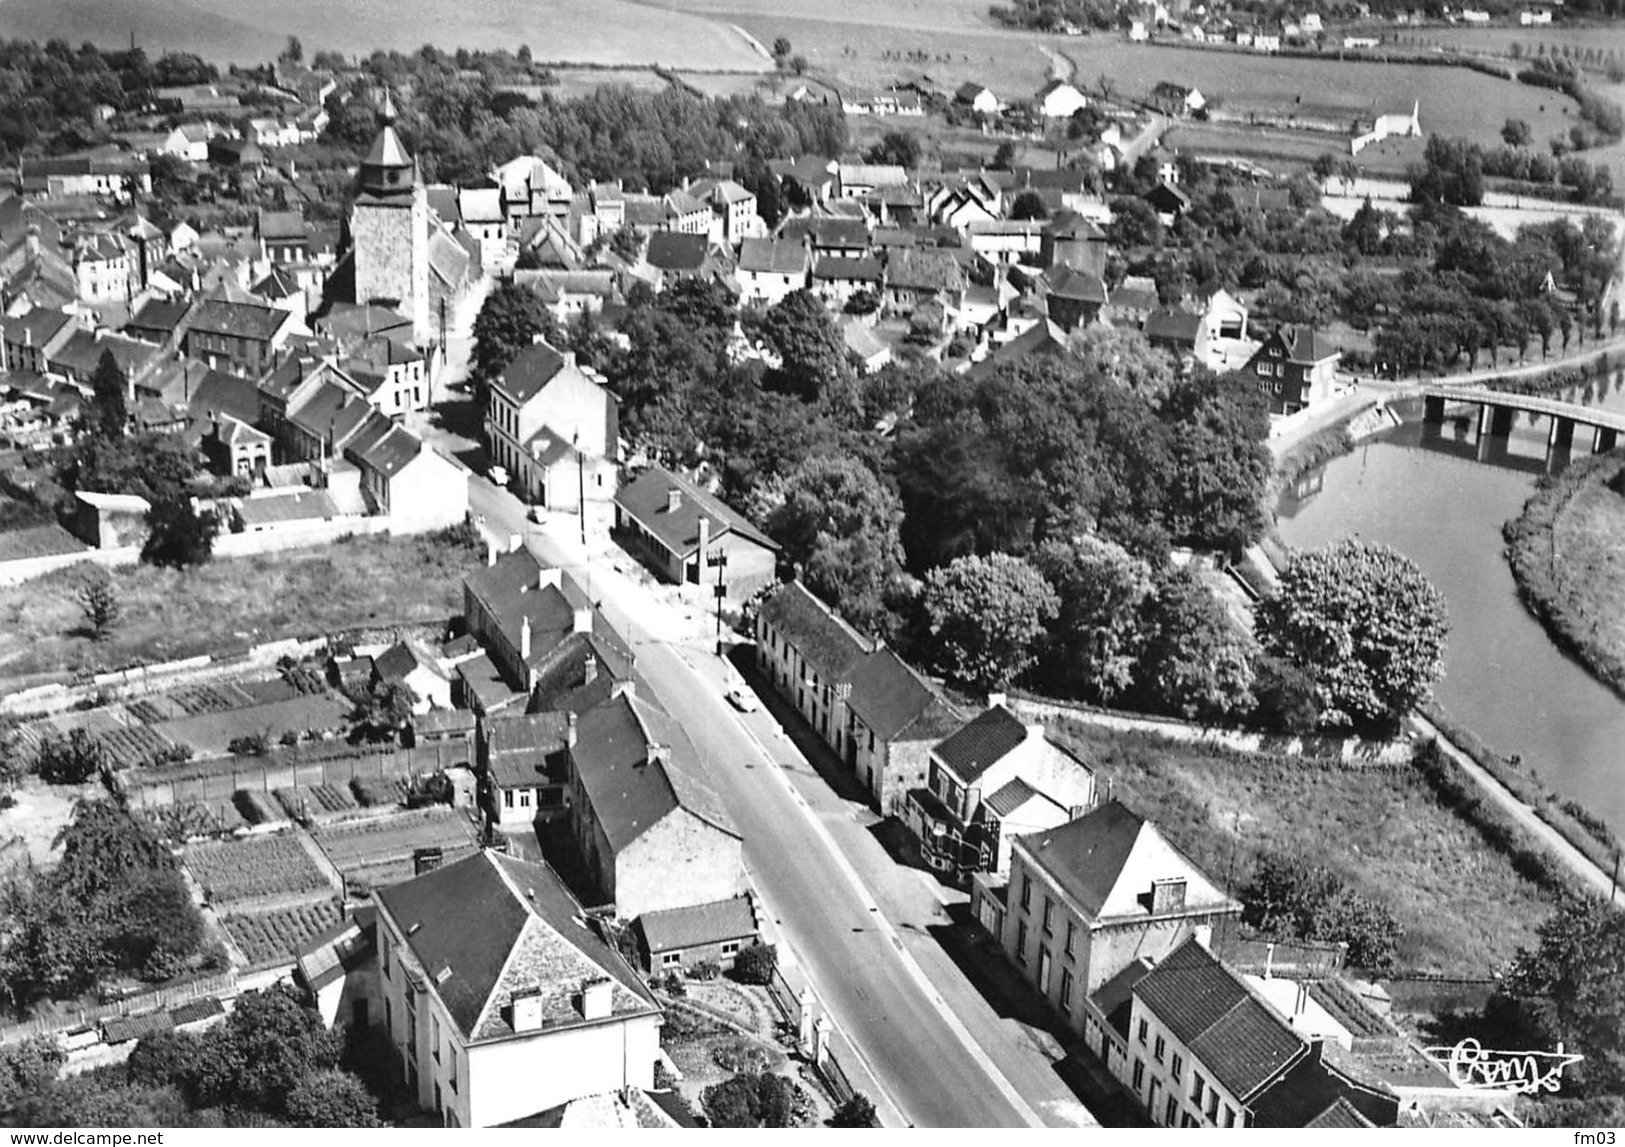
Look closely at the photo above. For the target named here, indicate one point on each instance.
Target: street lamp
(719, 558)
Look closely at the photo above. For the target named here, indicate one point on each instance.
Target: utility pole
(581, 487)
(719, 558)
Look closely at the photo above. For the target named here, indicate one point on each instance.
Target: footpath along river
(1504, 678)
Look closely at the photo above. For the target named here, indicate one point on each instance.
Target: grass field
(1463, 908)
(575, 82)
(209, 734)
(1276, 147)
(169, 614)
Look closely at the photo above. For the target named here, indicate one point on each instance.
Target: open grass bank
(229, 603)
(1464, 907)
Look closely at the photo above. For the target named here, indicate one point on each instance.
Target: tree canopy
(985, 617)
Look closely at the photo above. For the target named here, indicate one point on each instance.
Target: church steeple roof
(389, 168)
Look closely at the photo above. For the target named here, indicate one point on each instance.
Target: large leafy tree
(815, 365)
(1195, 662)
(1292, 897)
(332, 1098)
(179, 534)
(1364, 622)
(106, 414)
(984, 618)
(839, 523)
(1100, 631)
(752, 1100)
(1221, 465)
(512, 317)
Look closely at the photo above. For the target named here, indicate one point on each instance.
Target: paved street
(857, 921)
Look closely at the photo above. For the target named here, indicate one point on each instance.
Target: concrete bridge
(1496, 409)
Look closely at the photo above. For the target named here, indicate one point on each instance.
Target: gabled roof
(1043, 338)
(872, 174)
(1173, 325)
(525, 750)
(1306, 345)
(837, 231)
(1107, 861)
(281, 226)
(677, 251)
(488, 927)
(259, 323)
(1070, 283)
(531, 370)
(674, 929)
(1230, 1031)
(896, 703)
(924, 269)
(844, 269)
(647, 499)
(1341, 1114)
(1069, 225)
(161, 317)
(772, 257)
(1115, 998)
(982, 743)
(219, 393)
(36, 328)
(388, 454)
(630, 792)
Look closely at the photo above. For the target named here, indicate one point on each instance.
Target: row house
(893, 718)
(109, 175)
(808, 653)
(836, 278)
(554, 425)
(393, 374)
(102, 269)
(244, 337)
(523, 763)
(531, 187)
(403, 477)
(31, 340)
(994, 779)
(523, 613)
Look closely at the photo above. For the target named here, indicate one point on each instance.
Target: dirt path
(1061, 66)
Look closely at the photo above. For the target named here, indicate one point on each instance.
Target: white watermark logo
(1473, 1065)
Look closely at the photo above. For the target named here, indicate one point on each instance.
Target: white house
(978, 98)
(1060, 100)
(501, 999)
(555, 426)
(402, 476)
(770, 269)
(1535, 17)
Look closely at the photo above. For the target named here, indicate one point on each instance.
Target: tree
(898, 147)
(1221, 466)
(294, 53)
(1029, 205)
(752, 1100)
(70, 760)
(1123, 357)
(106, 414)
(1570, 988)
(26, 1067)
(510, 319)
(1195, 663)
(263, 1052)
(1100, 629)
(781, 48)
(179, 535)
(1516, 132)
(757, 963)
(814, 362)
(383, 709)
(1292, 897)
(1285, 696)
(99, 603)
(1004, 156)
(839, 523)
(857, 1111)
(1365, 623)
(985, 616)
(332, 1097)
(1134, 223)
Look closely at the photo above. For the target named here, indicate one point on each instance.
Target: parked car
(743, 700)
(499, 475)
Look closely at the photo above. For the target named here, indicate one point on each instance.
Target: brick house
(238, 336)
(894, 716)
(682, 530)
(992, 780)
(1086, 900)
(1295, 367)
(677, 938)
(652, 830)
(499, 997)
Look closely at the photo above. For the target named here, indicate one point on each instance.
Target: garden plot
(212, 732)
(262, 868)
(267, 939)
(378, 852)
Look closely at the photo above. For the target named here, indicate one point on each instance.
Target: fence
(223, 983)
(829, 1069)
(211, 782)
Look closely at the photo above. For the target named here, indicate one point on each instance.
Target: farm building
(1388, 126)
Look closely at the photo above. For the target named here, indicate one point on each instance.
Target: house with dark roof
(836, 278)
(676, 256)
(159, 320)
(1070, 240)
(894, 716)
(413, 664)
(808, 653)
(770, 269)
(1296, 367)
(501, 998)
(31, 340)
(653, 832)
(1085, 901)
(677, 938)
(992, 780)
(692, 537)
(1207, 1049)
(555, 426)
(919, 275)
(1072, 298)
(238, 336)
(523, 763)
(1168, 201)
(405, 478)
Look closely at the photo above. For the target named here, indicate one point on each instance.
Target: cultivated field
(578, 31)
(232, 872)
(1499, 41)
(1276, 147)
(169, 614)
(1384, 832)
(377, 853)
(210, 734)
(575, 82)
(270, 938)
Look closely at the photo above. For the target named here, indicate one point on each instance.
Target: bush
(26, 1067)
(1294, 897)
(754, 1101)
(756, 964)
(70, 760)
(705, 970)
(741, 1057)
(858, 1111)
(249, 745)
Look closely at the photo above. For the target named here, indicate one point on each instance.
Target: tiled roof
(833, 231)
(1012, 796)
(1070, 283)
(630, 793)
(531, 370)
(525, 750)
(677, 928)
(926, 269)
(327, 956)
(1341, 1114)
(647, 500)
(981, 743)
(196, 1011)
(840, 268)
(488, 927)
(1170, 324)
(282, 225)
(896, 703)
(832, 646)
(120, 1029)
(158, 316)
(402, 659)
(1206, 1007)
(1115, 998)
(676, 251)
(871, 174)
(1069, 225)
(773, 257)
(390, 453)
(301, 506)
(239, 320)
(1306, 345)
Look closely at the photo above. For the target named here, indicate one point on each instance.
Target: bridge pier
(1604, 440)
(1562, 435)
(1494, 421)
(1433, 410)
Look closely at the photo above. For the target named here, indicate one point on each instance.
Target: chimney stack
(524, 639)
(705, 541)
(570, 731)
(589, 672)
(674, 498)
(656, 754)
(596, 999)
(1269, 959)
(527, 1011)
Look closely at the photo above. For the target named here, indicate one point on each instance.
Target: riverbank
(1567, 552)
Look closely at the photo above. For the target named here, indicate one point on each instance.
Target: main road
(918, 1050)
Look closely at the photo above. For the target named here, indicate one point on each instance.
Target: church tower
(389, 229)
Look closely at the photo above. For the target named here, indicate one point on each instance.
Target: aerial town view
(609, 564)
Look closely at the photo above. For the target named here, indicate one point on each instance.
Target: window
(1066, 989)
(1198, 1087)
(1178, 1067)
(1213, 1104)
(1265, 370)
(1021, 941)
(871, 740)
(1185, 1120)
(1026, 893)
(434, 1036)
(1152, 1096)
(389, 1019)
(730, 947)
(383, 951)
(1139, 1074)
(452, 1057)
(671, 959)
(1170, 1111)
(1049, 916)
(1275, 388)
(1229, 1116)
(1144, 1028)
(1161, 1049)
(507, 798)
(524, 798)
(1071, 936)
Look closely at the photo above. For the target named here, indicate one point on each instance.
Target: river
(1434, 502)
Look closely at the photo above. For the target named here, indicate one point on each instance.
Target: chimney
(705, 541)
(674, 498)
(589, 670)
(550, 576)
(596, 999)
(996, 699)
(1204, 935)
(656, 754)
(33, 240)
(426, 860)
(490, 552)
(623, 688)
(1167, 896)
(524, 639)
(1300, 1001)
(515, 542)
(570, 731)
(527, 1011)
(582, 620)
(1269, 959)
